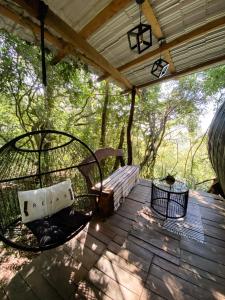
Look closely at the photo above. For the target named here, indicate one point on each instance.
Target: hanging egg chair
(216, 145)
(45, 199)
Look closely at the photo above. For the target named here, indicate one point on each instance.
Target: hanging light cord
(140, 12)
(43, 8)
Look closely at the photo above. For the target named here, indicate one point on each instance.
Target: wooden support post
(129, 127)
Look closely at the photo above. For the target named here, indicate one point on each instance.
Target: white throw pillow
(37, 204)
(61, 195)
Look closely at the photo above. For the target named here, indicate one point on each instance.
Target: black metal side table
(170, 201)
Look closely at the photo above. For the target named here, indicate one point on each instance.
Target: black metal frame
(167, 197)
(162, 64)
(141, 28)
(39, 175)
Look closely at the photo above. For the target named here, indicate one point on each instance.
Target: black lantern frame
(160, 68)
(140, 37)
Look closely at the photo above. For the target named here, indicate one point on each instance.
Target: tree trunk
(104, 115)
(120, 160)
(129, 127)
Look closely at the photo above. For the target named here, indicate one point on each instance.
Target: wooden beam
(175, 43)
(104, 16)
(156, 29)
(56, 42)
(75, 39)
(190, 70)
(61, 54)
(151, 18)
(27, 23)
(129, 127)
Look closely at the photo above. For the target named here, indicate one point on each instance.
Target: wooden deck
(130, 256)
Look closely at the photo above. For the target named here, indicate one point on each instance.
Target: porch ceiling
(194, 31)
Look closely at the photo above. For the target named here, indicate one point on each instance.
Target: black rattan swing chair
(32, 162)
(45, 195)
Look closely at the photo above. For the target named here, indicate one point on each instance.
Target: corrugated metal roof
(176, 17)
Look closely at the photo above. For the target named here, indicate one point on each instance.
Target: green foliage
(166, 133)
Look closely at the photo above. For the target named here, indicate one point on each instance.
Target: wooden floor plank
(213, 223)
(214, 232)
(149, 295)
(208, 251)
(214, 241)
(18, 289)
(171, 290)
(124, 277)
(87, 291)
(143, 246)
(189, 276)
(211, 267)
(41, 286)
(159, 240)
(131, 257)
(109, 286)
(179, 286)
(125, 264)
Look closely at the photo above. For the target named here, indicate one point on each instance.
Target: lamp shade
(140, 37)
(159, 68)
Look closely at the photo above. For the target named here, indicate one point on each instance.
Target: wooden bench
(115, 187)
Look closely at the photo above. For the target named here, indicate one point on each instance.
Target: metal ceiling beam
(157, 31)
(193, 69)
(75, 39)
(104, 16)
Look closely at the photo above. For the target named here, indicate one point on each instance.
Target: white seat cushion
(37, 204)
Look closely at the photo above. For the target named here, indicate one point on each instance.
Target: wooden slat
(129, 256)
(156, 29)
(179, 287)
(110, 286)
(211, 252)
(18, 289)
(192, 277)
(120, 274)
(75, 39)
(104, 16)
(172, 291)
(190, 70)
(153, 249)
(209, 267)
(176, 42)
(87, 291)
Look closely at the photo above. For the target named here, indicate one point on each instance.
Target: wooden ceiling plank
(157, 31)
(190, 70)
(72, 37)
(176, 42)
(152, 20)
(104, 16)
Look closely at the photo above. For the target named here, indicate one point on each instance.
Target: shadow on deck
(131, 256)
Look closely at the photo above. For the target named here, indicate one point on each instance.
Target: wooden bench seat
(116, 187)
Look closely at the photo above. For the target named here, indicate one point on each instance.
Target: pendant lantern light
(160, 66)
(140, 37)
